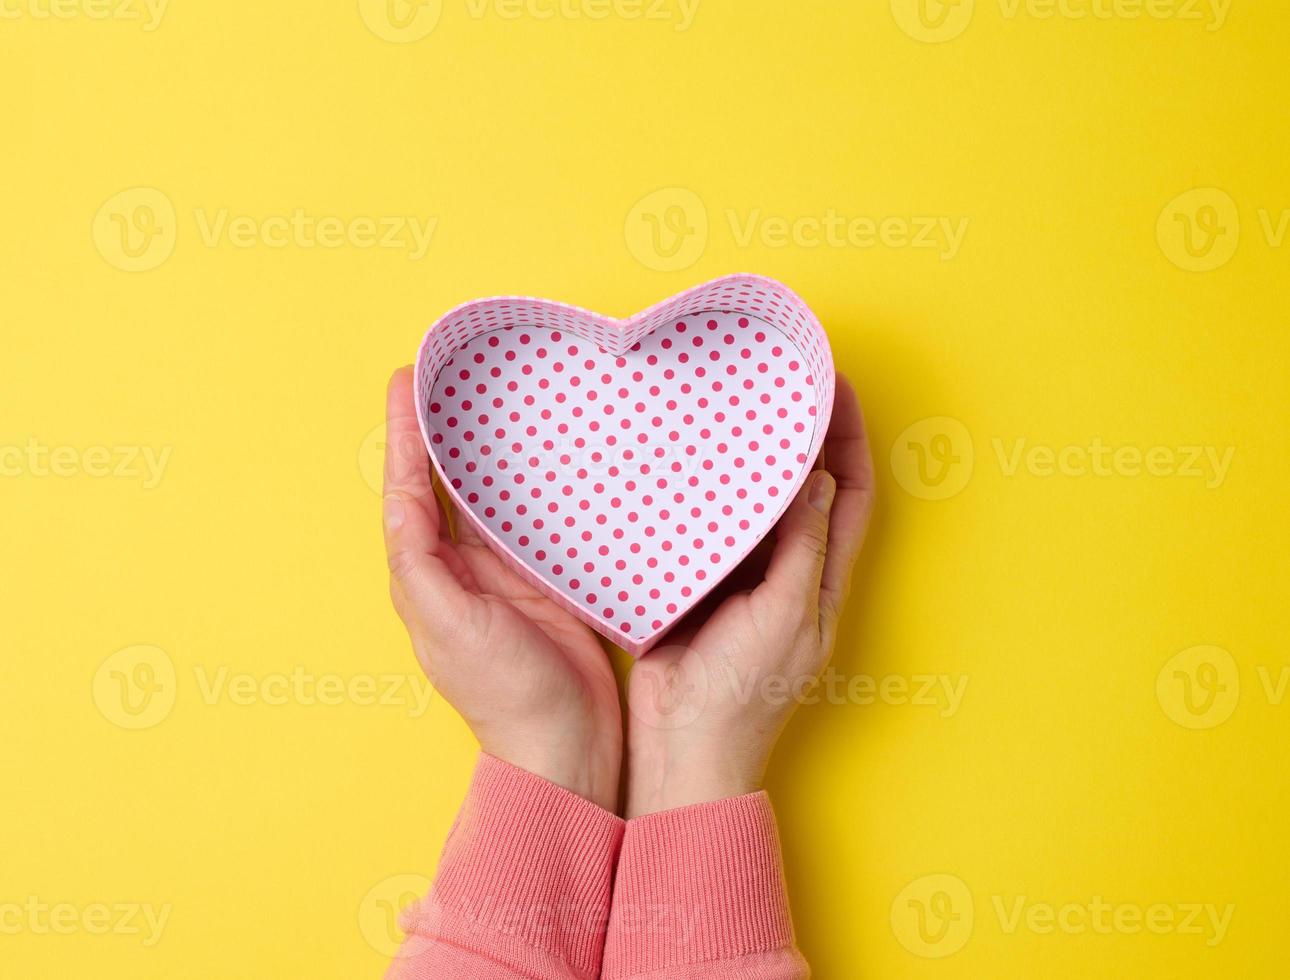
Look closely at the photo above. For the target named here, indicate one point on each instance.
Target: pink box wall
(625, 467)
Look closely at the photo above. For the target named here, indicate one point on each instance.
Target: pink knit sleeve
(523, 887)
(700, 895)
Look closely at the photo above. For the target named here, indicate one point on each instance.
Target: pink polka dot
(617, 501)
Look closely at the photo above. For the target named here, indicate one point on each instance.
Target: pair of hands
(536, 687)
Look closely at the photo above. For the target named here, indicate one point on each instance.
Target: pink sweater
(538, 883)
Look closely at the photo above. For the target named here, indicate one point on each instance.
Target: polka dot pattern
(626, 480)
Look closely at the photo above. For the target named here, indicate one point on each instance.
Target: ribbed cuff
(528, 866)
(700, 884)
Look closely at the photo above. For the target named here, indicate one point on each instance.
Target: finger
(407, 462)
(411, 517)
(802, 542)
(850, 462)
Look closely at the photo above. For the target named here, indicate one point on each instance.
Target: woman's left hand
(531, 681)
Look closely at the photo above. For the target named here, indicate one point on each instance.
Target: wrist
(588, 770)
(678, 776)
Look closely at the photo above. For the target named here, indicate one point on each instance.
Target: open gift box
(625, 467)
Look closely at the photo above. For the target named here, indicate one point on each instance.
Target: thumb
(802, 539)
(425, 590)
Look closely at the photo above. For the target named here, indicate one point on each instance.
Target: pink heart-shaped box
(625, 467)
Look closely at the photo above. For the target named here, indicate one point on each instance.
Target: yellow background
(278, 833)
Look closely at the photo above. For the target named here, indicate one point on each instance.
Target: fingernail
(392, 509)
(822, 489)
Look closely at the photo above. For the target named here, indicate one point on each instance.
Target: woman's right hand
(699, 729)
